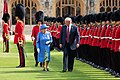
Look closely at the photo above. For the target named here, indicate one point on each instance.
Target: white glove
(38, 50)
(32, 38)
(47, 42)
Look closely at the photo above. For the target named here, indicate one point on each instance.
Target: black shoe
(40, 64)
(47, 69)
(69, 70)
(44, 69)
(19, 66)
(63, 70)
(36, 64)
(106, 69)
(117, 75)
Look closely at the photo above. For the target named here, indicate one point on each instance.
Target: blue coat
(44, 48)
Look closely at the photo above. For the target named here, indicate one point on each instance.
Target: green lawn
(8, 62)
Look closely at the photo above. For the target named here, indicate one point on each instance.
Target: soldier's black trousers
(35, 54)
(116, 59)
(21, 55)
(6, 43)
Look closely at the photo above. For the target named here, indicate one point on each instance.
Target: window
(69, 9)
(30, 10)
(109, 5)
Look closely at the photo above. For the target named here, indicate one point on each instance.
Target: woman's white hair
(68, 19)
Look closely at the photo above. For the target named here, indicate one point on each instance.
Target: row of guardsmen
(100, 39)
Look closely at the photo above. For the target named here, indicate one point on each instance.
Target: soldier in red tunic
(19, 38)
(35, 31)
(5, 34)
(117, 46)
(60, 23)
(102, 46)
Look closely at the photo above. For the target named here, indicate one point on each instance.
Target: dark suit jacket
(73, 39)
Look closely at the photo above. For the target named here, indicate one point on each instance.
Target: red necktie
(68, 34)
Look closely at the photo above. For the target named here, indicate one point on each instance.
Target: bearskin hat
(113, 16)
(60, 19)
(103, 17)
(45, 18)
(6, 17)
(39, 16)
(20, 11)
(108, 17)
(117, 15)
(53, 19)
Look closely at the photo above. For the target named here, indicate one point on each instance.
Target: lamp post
(46, 3)
(47, 6)
(91, 6)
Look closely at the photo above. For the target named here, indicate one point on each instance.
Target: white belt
(96, 37)
(86, 36)
(102, 37)
(116, 39)
(113, 39)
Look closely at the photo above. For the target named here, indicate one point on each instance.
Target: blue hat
(43, 26)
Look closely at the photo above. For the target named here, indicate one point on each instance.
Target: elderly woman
(43, 46)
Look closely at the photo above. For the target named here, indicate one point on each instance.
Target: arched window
(109, 5)
(71, 7)
(30, 10)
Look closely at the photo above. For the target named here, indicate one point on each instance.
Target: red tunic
(117, 39)
(5, 29)
(109, 40)
(107, 35)
(95, 39)
(58, 31)
(35, 31)
(86, 36)
(83, 38)
(53, 30)
(102, 34)
(113, 37)
(19, 35)
(90, 38)
(98, 35)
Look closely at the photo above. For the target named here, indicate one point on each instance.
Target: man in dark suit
(69, 42)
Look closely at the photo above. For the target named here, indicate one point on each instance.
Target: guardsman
(113, 42)
(53, 30)
(107, 40)
(94, 44)
(19, 38)
(60, 23)
(117, 46)
(6, 34)
(102, 37)
(82, 46)
(35, 31)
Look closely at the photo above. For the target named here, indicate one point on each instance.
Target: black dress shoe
(117, 75)
(47, 69)
(63, 70)
(36, 64)
(69, 70)
(19, 66)
(40, 64)
(44, 69)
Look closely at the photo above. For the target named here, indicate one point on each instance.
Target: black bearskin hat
(45, 18)
(108, 17)
(20, 11)
(39, 16)
(53, 19)
(117, 15)
(6, 17)
(60, 19)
